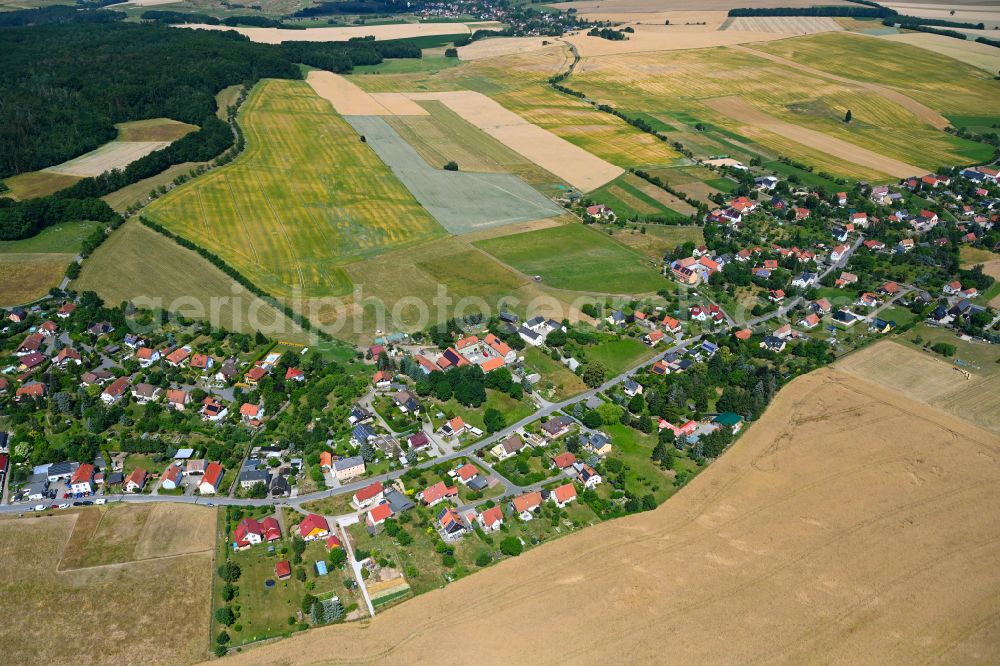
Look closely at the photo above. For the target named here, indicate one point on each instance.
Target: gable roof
(565, 492)
(527, 502)
(368, 492)
(311, 523)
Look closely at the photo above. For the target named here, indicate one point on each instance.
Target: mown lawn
(619, 355)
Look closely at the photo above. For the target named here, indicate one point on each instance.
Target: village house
(172, 477)
(453, 428)
(212, 479)
(563, 495)
(66, 356)
(178, 357)
(66, 310)
(370, 494)
(81, 481)
(563, 461)
(773, 344)
(810, 321)
(508, 447)
(437, 493)
(143, 393)
(146, 356)
(491, 519)
(212, 410)
(525, 505)
(251, 532)
(378, 515)
(557, 426)
(586, 475)
(136, 481)
(115, 391)
(313, 526)
(450, 524)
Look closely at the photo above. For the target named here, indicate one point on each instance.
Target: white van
(100, 501)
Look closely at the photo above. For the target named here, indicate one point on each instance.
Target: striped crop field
(305, 198)
(685, 83)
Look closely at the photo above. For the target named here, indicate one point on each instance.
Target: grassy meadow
(139, 265)
(306, 197)
(30, 267)
(577, 258)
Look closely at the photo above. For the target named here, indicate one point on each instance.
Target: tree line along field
(681, 82)
(306, 197)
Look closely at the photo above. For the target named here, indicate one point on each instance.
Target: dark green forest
(67, 76)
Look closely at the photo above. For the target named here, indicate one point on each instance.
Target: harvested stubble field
(443, 135)
(945, 85)
(37, 184)
(380, 32)
(137, 264)
(848, 522)
(30, 267)
(106, 586)
(112, 155)
(652, 38)
(683, 83)
(983, 56)
(154, 129)
(787, 25)
(304, 198)
(934, 381)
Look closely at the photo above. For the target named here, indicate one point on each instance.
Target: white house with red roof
(314, 526)
(563, 495)
(525, 505)
(136, 481)
(379, 515)
(466, 473)
(82, 481)
(437, 493)
(212, 479)
(251, 532)
(491, 519)
(368, 495)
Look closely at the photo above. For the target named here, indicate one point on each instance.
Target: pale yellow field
(849, 525)
(931, 380)
(380, 32)
(576, 166)
(128, 610)
(112, 155)
(786, 25)
(501, 46)
(983, 56)
(986, 12)
(649, 37)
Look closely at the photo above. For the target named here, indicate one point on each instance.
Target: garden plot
(460, 201)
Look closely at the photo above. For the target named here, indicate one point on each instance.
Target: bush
(451, 53)
(511, 546)
(222, 638)
(451, 166)
(483, 559)
(225, 616)
(944, 348)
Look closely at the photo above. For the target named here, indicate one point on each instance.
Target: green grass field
(430, 64)
(577, 258)
(139, 265)
(30, 267)
(620, 355)
(558, 381)
(658, 238)
(304, 198)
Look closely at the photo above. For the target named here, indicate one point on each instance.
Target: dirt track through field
(738, 109)
(850, 525)
(924, 113)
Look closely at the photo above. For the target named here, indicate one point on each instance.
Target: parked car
(100, 501)
(39, 507)
(64, 505)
